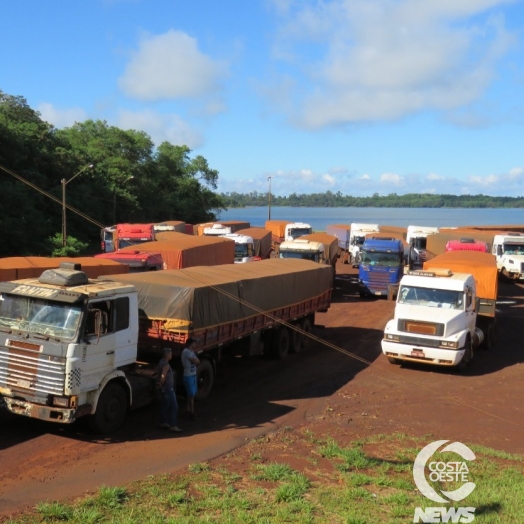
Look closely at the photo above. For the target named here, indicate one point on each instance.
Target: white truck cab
(244, 248)
(217, 230)
(509, 253)
(306, 249)
(296, 230)
(357, 235)
(435, 319)
(416, 237)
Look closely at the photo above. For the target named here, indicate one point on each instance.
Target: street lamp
(114, 197)
(269, 199)
(64, 184)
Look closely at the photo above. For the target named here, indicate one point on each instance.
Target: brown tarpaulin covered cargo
(436, 244)
(16, 268)
(277, 227)
(182, 251)
(261, 240)
(482, 266)
(330, 243)
(202, 297)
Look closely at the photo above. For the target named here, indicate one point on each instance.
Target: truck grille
(379, 281)
(422, 328)
(24, 368)
(418, 341)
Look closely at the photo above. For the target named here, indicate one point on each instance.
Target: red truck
(467, 244)
(132, 234)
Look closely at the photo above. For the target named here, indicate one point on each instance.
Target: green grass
(369, 481)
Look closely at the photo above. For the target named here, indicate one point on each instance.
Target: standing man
(190, 362)
(166, 388)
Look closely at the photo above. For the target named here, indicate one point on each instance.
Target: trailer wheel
(307, 328)
(111, 409)
(297, 338)
(205, 378)
(281, 343)
(489, 339)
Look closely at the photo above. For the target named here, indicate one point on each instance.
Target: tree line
(130, 180)
(330, 199)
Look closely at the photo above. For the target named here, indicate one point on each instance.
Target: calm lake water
(320, 217)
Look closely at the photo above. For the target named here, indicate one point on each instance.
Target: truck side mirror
(499, 251)
(477, 304)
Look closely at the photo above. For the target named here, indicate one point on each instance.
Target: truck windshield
(372, 258)
(423, 296)
(243, 250)
(40, 316)
(299, 254)
(514, 249)
(298, 232)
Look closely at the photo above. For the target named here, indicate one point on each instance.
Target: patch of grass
(348, 486)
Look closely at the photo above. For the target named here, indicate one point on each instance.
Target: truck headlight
(62, 402)
(449, 344)
(394, 338)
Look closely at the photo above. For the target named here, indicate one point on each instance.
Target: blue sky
(356, 96)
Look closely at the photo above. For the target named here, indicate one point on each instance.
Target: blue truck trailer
(381, 267)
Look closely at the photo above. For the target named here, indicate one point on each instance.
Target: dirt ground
(341, 385)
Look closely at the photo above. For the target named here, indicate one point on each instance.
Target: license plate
(417, 353)
(23, 384)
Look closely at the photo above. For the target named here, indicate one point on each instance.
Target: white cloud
(170, 66)
(392, 178)
(500, 183)
(365, 177)
(434, 176)
(61, 117)
(384, 59)
(161, 127)
(329, 179)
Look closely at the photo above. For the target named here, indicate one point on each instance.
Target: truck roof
(383, 244)
(482, 266)
(301, 244)
(330, 243)
(454, 282)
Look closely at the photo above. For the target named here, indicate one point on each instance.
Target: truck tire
(393, 360)
(205, 378)
(307, 327)
(468, 355)
(111, 409)
(489, 338)
(297, 338)
(281, 342)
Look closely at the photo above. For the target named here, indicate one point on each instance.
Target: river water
(320, 217)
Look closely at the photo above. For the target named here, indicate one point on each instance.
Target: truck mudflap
(48, 413)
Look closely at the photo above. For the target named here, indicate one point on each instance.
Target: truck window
(422, 296)
(109, 315)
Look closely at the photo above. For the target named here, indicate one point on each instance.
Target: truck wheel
(205, 378)
(307, 327)
(468, 355)
(281, 342)
(111, 409)
(489, 339)
(297, 338)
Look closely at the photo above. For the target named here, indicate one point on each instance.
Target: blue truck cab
(381, 266)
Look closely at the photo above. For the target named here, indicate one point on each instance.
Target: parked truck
(444, 311)
(416, 237)
(357, 236)
(261, 241)
(342, 232)
(127, 235)
(284, 230)
(318, 247)
(73, 347)
(467, 244)
(509, 253)
(138, 260)
(170, 225)
(381, 266)
(107, 242)
(244, 248)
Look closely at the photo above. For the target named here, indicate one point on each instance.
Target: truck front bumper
(423, 354)
(48, 413)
